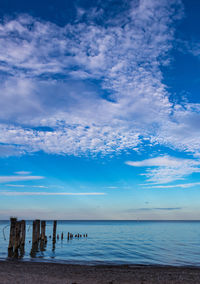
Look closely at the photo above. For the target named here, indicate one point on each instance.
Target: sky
(100, 109)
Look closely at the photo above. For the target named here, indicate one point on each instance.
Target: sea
(175, 243)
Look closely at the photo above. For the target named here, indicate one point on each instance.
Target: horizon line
(117, 220)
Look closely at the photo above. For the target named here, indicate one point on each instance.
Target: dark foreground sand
(14, 272)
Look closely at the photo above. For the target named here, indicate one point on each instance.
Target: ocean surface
(115, 242)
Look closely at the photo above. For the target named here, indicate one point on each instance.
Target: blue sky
(100, 109)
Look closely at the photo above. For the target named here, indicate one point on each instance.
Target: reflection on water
(133, 242)
(39, 247)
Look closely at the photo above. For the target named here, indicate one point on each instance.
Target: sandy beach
(35, 272)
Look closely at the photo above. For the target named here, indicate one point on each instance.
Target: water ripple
(164, 243)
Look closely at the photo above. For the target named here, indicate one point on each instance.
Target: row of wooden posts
(18, 236)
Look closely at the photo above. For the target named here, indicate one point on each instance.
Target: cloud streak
(184, 185)
(23, 173)
(154, 209)
(4, 179)
(14, 193)
(23, 185)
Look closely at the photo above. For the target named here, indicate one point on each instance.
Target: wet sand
(14, 272)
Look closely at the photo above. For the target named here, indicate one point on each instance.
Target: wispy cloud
(14, 193)
(112, 187)
(182, 131)
(190, 46)
(4, 179)
(162, 161)
(23, 185)
(23, 173)
(165, 169)
(183, 185)
(11, 150)
(154, 209)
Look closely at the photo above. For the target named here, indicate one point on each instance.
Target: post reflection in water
(53, 246)
(34, 250)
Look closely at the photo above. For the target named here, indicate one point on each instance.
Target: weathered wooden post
(19, 232)
(35, 237)
(22, 236)
(38, 230)
(68, 236)
(12, 236)
(17, 239)
(54, 231)
(43, 228)
(62, 236)
(23, 232)
(43, 236)
(34, 233)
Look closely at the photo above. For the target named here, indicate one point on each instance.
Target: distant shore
(42, 272)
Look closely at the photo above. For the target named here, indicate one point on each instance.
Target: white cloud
(183, 130)
(112, 187)
(165, 169)
(11, 150)
(23, 185)
(162, 161)
(15, 193)
(4, 179)
(23, 173)
(183, 185)
(124, 56)
(190, 46)
(128, 103)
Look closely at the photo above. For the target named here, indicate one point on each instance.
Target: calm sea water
(117, 242)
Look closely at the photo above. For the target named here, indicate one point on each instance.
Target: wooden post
(17, 239)
(43, 227)
(13, 222)
(19, 232)
(43, 236)
(34, 233)
(54, 231)
(12, 232)
(62, 236)
(35, 237)
(23, 232)
(38, 230)
(68, 236)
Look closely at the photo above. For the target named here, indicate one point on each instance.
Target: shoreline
(14, 271)
(92, 263)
